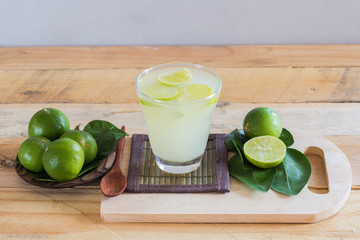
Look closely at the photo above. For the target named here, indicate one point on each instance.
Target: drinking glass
(178, 131)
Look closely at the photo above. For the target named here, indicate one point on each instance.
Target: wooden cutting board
(243, 204)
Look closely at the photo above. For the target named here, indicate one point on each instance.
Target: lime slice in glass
(193, 92)
(159, 91)
(265, 151)
(175, 78)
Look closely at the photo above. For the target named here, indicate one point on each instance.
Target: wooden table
(313, 88)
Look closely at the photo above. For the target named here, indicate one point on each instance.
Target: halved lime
(159, 91)
(175, 78)
(193, 92)
(265, 151)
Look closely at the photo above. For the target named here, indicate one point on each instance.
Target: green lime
(31, 152)
(265, 151)
(159, 91)
(176, 77)
(49, 123)
(86, 141)
(63, 159)
(262, 121)
(193, 92)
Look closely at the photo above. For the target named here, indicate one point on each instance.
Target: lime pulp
(265, 151)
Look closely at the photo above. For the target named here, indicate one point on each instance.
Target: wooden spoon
(114, 182)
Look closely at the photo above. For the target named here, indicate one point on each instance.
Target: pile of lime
(55, 149)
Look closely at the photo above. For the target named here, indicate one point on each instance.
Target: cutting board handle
(338, 174)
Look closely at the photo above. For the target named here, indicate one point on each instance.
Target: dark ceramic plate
(104, 166)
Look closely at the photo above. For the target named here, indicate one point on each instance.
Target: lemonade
(178, 101)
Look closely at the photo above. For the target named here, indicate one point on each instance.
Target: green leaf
(236, 137)
(95, 127)
(43, 176)
(89, 167)
(106, 134)
(286, 137)
(292, 174)
(256, 178)
(106, 142)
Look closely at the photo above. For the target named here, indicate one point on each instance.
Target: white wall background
(178, 22)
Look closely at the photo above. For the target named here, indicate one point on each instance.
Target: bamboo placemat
(145, 176)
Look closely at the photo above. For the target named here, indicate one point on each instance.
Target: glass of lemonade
(178, 101)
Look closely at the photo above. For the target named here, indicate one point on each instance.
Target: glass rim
(143, 73)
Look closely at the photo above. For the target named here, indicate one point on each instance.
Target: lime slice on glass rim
(175, 78)
(193, 92)
(265, 151)
(160, 92)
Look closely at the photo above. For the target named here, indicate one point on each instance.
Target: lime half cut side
(265, 151)
(175, 78)
(161, 92)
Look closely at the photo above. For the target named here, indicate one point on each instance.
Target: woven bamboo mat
(145, 176)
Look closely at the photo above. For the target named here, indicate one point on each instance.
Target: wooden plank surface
(322, 119)
(256, 85)
(318, 84)
(211, 56)
(61, 214)
(316, 118)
